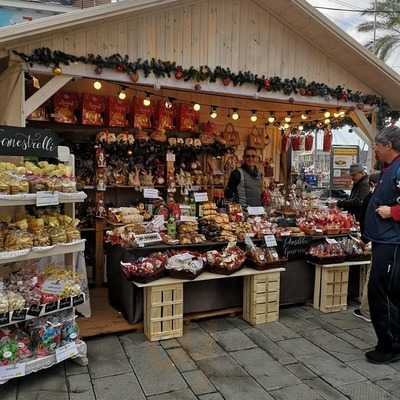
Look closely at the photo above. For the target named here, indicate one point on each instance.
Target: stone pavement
(305, 356)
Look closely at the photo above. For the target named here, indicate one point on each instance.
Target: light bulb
(253, 117)
(288, 118)
(271, 119)
(336, 114)
(342, 113)
(327, 114)
(327, 121)
(168, 104)
(122, 94)
(213, 113)
(286, 126)
(196, 107)
(97, 85)
(301, 128)
(235, 115)
(304, 116)
(146, 101)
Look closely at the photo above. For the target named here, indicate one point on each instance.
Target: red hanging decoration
(296, 142)
(308, 142)
(327, 145)
(178, 72)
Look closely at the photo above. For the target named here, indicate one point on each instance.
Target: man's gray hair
(390, 135)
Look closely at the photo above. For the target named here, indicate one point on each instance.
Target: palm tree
(387, 24)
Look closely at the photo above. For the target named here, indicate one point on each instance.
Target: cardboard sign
(44, 199)
(65, 352)
(270, 241)
(255, 210)
(200, 197)
(35, 310)
(150, 193)
(12, 371)
(188, 218)
(19, 315)
(53, 286)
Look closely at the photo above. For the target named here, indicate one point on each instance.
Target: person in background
(382, 228)
(363, 311)
(245, 183)
(358, 193)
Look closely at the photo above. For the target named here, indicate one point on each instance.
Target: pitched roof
(298, 15)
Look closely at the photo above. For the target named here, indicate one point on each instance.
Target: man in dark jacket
(382, 228)
(358, 193)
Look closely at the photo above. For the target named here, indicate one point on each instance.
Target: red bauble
(179, 72)
(226, 81)
(267, 84)
(120, 68)
(98, 70)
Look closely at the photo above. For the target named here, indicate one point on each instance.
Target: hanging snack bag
(308, 142)
(141, 114)
(187, 118)
(117, 112)
(327, 145)
(65, 107)
(164, 117)
(93, 107)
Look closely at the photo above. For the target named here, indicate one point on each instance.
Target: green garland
(163, 69)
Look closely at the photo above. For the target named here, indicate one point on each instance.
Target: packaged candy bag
(117, 112)
(93, 107)
(70, 330)
(141, 114)
(65, 107)
(187, 118)
(46, 336)
(164, 117)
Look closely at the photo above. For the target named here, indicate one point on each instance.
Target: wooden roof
(297, 15)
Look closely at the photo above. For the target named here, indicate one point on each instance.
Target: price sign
(35, 310)
(50, 307)
(171, 156)
(150, 193)
(53, 286)
(4, 318)
(19, 315)
(80, 299)
(256, 210)
(331, 241)
(270, 241)
(65, 352)
(201, 197)
(188, 218)
(44, 199)
(65, 303)
(11, 371)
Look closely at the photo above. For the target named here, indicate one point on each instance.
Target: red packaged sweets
(164, 117)
(327, 145)
(117, 112)
(93, 107)
(308, 142)
(65, 107)
(187, 118)
(142, 114)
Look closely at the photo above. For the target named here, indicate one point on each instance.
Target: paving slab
(211, 396)
(51, 380)
(216, 324)
(155, 370)
(169, 344)
(223, 366)
(181, 359)
(80, 387)
(136, 339)
(334, 345)
(121, 387)
(366, 391)
(344, 320)
(265, 343)
(277, 331)
(8, 391)
(184, 394)
(299, 324)
(200, 345)
(267, 372)
(238, 322)
(297, 392)
(354, 341)
(366, 334)
(300, 347)
(324, 389)
(198, 382)
(301, 371)
(233, 340)
(371, 371)
(391, 384)
(43, 395)
(73, 368)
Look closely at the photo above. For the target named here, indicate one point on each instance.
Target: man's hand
(384, 212)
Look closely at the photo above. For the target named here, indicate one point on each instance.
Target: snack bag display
(141, 114)
(93, 107)
(117, 112)
(187, 118)
(65, 107)
(164, 117)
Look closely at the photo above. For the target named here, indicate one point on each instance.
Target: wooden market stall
(299, 64)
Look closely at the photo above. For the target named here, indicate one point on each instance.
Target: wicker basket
(222, 271)
(183, 274)
(326, 260)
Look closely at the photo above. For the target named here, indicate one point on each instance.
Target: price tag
(65, 352)
(65, 303)
(270, 241)
(256, 210)
(12, 371)
(319, 231)
(47, 199)
(201, 197)
(53, 286)
(171, 156)
(50, 307)
(331, 241)
(188, 218)
(35, 310)
(4, 318)
(150, 193)
(80, 299)
(184, 257)
(19, 315)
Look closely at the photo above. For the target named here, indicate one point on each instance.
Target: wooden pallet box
(331, 288)
(163, 312)
(261, 298)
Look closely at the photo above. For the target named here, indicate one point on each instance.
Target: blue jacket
(386, 193)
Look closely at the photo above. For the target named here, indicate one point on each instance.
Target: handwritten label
(12, 371)
(201, 197)
(19, 315)
(65, 303)
(44, 199)
(50, 307)
(294, 247)
(65, 352)
(256, 210)
(35, 310)
(4, 318)
(270, 241)
(80, 299)
(150, 193)
(53, 286)
(188, 218)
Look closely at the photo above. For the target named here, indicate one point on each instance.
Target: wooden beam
(45, 92)
(362, 122)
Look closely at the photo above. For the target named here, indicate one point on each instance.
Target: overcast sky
(348, 21)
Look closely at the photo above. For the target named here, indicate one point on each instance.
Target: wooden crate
(163, 311)
(364, 275)
(261, 298)
(331, 288)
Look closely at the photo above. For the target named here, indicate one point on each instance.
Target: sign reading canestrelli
(16, 141)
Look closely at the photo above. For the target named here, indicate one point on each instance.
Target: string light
(253, 117)
(286, 126)
(97, 85)
(271, 118)
(196, 107)
(288, 118)
(168, 103)
(213, 112)
(301, 128)
(235, 114)
(122, 94)
(327, 121)
(336, 114)
(342, 113)
(146, 100)
(327, 114)
(304, 116)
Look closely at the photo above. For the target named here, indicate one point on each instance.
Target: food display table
(332, 282)
(163, 300)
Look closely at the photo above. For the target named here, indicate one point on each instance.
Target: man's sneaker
(357, 313)
(379, 357)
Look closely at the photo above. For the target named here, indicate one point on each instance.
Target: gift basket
(230, 260)
(326, 253)
(355, 249)
(262, 258)
(145, 269)
(187, 265)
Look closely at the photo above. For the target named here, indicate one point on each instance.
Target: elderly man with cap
(358, 193)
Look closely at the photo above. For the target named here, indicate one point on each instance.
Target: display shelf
(79, 351)
(23, 199)
(59, 305)
(7, 257)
